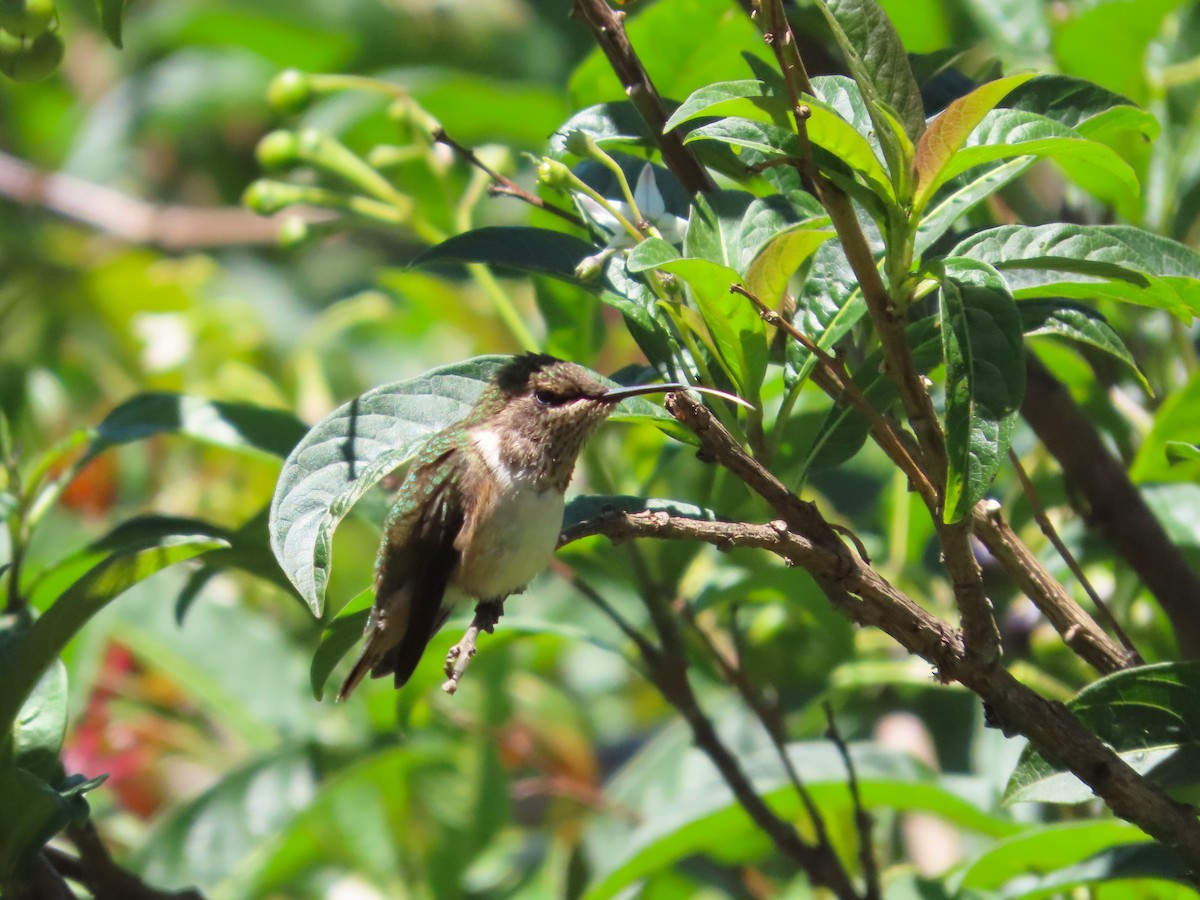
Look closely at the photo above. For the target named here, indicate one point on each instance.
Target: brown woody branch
(979, 624)
(170, 227)
(869, 600)
(608, 28)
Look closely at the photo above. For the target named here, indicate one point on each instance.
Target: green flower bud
(293, 232)
(266, 197)
(278, 150)
(26, 18)
(590, 267)
(30, 59)
(290, 91)
(581, 144)
(553, 174)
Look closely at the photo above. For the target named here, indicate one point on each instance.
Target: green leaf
(208, 841)
(1180, 451)
(685, 808)
(735, 327)
(748, 99)
(111, 12)
(349, 451)
(516, 247)
(1145, 714)
(779, 259)
(1089, 262)
(959, 196)
(48, 636)
(948, 132)
(340, 636)
(1076, 322)
(34, 813)
(608, 124)
(985, 377)
(238, 426)
(41, 725)
(650, 254)
(1145, 870)
(1045, 848)
(1010, 133)
(1093, 111)
(844, 430)
(1174, 420)
(829, 306)
(879, 65)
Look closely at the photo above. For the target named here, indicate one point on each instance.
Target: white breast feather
(517, 539)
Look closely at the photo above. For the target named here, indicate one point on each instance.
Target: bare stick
(863, 822)
(129, 218)
(503, 185)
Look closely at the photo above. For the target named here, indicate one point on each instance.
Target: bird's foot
(487, 614)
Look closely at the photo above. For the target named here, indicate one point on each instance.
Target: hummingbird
(480, 509)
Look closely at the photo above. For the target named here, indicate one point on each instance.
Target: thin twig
(1078, 629)
(1048, 529)
(502, 185)
(769, 716)
(487, 614)
(863, 822)
(839, 385)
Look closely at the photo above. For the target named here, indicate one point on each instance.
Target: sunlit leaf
(1087, 262)
(985, 378)
(1076, 322)
(1145, 715)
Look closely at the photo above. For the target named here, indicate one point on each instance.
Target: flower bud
(278, 150)
(553, 174)
(290, 91)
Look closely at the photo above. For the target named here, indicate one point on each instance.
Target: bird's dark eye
(548, 398)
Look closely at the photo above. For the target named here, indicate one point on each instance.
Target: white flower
(651, 207)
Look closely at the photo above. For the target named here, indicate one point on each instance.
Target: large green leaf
(948, 132)
(959, 196)
(839, 123)
(1145, 870)
(517, 247)
(47, 637)
(1044, 848)
(1011, 133)
(1087, 262)
(239, 426)
(685, 808)
(349, 451)
(1146, 715)
(1093, 111)
(880, 67)
(1076, 322)
(985, 378)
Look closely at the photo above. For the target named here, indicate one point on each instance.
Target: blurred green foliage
(557, 771)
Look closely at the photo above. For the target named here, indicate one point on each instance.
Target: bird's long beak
(615, 395)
